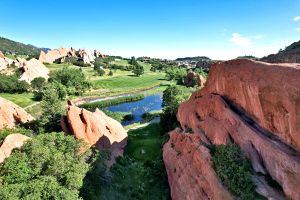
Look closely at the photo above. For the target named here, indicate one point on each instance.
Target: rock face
(33, 69)
(11, 142)
(95, 129)
(269, 93)
(1, 55)
(254, 105)
(190, 169)
(11, 114)
(53, 55)
(86, 56)
(192, 78)
(5, 62)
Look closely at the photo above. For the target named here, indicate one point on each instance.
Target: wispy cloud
(297, 18)
(239, 40)
(298, 29)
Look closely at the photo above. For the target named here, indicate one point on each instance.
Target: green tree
(48, 166)
(172, 97)
(38, 83)
(133, 61)
(52, 110)
(74, 80)
(138, 70)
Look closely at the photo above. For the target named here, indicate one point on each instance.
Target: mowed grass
(23, 100)
(121, 82)
(145, 143)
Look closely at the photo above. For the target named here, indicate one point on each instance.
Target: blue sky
(221, 29)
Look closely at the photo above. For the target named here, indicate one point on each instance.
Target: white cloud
(240, 40)
(298, 29)
(297, 18)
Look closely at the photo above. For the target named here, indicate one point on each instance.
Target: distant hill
(8, 46)
(196, 58)
(248, 57)
(290, 54)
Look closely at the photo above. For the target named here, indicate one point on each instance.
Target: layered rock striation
(252, 104)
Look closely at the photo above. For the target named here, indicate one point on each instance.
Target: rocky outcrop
(32, 69)
(5, 62)
(98, 54)
(1, 55)
(86, 56)
(95, 128)
(190, 169)
(11, 114)
(193, 78)
(205, 64)
(11, 142)
(269, 93)
(254, 105)
(53, 55)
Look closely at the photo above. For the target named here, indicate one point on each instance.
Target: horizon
(168, 29)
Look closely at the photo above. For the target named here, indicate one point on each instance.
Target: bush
(100, 71)
(11, 84)
(234, 170)
(38, 83)
(110, 73)
(49, 166)
(60, 89)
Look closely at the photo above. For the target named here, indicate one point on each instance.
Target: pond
(138, 108)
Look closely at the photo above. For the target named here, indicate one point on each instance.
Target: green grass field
(144, 143)
(23, 100)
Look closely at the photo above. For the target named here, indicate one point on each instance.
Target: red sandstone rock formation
(86, 56)
(269, 93)
(53, 55)
(252, 104)
(11, 114)
(191, 77)
(33, 69)
(11, 142)
(1, 55)
(190, 169)
(95, 129)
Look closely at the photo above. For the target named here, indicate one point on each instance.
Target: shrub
(110, 73)
(234, 170)
(100, 71)
(37, 83)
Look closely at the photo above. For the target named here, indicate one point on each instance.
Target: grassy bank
(23, 100)
(111, 102)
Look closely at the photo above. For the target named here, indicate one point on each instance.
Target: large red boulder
(54, 54)
(11, 114)
(254, 105)
(95, 128)
(32, 69)
(269, 93)
(11, 142)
